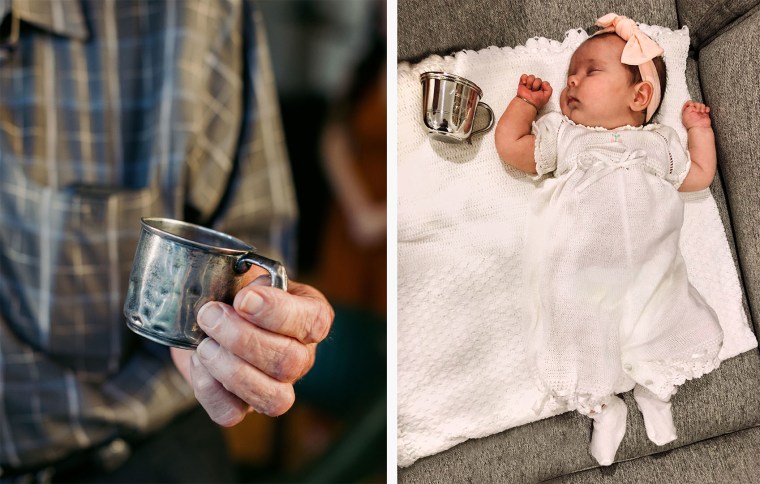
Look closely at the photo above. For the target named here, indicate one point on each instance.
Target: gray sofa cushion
(735, 103)
(692, 80)
(443, 26)
(706, 18)
(727, 459)
(726, 400)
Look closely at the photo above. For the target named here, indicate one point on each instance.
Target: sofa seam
(728, 25)
(654, 453)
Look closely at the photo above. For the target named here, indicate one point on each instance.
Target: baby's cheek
(563, 102)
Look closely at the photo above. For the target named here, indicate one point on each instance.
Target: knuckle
(235, 375)
(295, 318)
(235, 336)
(292, 361)
(245, 342)
(261, 399)
(311, 357)
(303, 324)
(320, 326)
(282, 399)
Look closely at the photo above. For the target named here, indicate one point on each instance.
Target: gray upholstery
(706, 19)
(735, 100)
(443, 26)
(731, 458)
(726, 400)
(726, 74)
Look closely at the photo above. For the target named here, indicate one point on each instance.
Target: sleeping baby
(611, 307)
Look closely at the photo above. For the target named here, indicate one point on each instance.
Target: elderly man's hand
(256, 349)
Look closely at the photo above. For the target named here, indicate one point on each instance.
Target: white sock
(658, 418)
(609, 429)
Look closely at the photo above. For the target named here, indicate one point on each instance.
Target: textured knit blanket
(462, 371)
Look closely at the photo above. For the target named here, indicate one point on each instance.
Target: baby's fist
(695, 115)
(534, 90)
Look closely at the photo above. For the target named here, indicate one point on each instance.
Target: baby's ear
(642, 96)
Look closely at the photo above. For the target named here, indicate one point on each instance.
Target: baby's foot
(609, 429)
(658, 418)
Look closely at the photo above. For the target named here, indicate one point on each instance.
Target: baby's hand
(695, 115)
(534, 90)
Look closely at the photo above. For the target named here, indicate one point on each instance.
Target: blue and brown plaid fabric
(111, 110)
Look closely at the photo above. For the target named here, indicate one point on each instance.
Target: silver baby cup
(178, 267)
(449, 103)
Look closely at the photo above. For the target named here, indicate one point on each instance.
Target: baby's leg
(658, 418)
(609, 429)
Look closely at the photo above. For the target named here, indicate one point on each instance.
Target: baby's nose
(572, 81)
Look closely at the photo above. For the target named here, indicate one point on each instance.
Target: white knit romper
(609, 299)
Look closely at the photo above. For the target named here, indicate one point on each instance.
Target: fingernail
(208, 349)
(251, 303)
(209, 315)
(262, 280)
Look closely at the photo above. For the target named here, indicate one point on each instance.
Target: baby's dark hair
(659, 64)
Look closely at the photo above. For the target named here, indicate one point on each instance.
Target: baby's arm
(696, 119)
(514, 142)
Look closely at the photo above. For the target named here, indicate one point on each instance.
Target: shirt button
(628, 367)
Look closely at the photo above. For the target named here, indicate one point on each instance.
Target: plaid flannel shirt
(112, 110)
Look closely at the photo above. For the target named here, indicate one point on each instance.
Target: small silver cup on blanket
(178, 267)
(449, 103)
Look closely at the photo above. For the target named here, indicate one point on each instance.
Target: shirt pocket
(67, 254)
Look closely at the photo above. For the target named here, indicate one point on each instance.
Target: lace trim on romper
(673, 373)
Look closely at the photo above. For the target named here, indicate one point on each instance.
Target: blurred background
(329, 62)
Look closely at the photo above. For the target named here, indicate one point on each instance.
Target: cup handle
(275, 269)
(490, 119)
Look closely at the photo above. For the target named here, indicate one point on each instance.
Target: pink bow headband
(639, 51)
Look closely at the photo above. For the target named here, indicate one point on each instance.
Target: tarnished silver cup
(449, 103)
(179, 267)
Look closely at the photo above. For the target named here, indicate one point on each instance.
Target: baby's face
(599, 89)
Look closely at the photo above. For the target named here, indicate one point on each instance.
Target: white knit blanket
(462, 371)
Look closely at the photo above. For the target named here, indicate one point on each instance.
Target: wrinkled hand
(534, 90)
(695, 115)
(256, 349)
